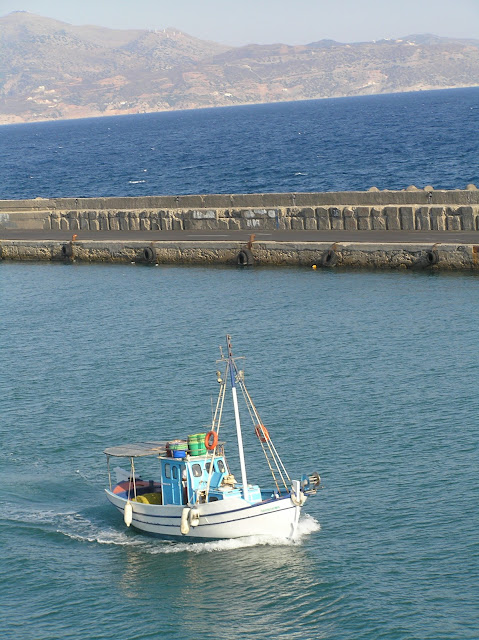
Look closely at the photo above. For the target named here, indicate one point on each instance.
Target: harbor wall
(319, 255)
(410, 209)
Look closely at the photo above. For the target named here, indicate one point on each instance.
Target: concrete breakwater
(413, 255)
(410, 210)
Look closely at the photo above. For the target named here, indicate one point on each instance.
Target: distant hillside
(51, 70)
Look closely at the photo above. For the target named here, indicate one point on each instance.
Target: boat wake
(307, 525)
(78, 527)
(32, 517)
(84, 530)
(68, 523)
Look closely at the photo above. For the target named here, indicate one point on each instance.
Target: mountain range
(52, 70)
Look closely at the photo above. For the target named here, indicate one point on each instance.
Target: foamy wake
(78, 527)
(39, 516)
(69, 523)
(307, 525)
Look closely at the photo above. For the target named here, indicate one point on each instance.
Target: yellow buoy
(313, 267)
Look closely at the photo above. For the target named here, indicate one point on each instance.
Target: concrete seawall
(411, 255)
(411, 209)
(451, 216)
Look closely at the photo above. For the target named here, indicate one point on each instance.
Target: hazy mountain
(51, 69)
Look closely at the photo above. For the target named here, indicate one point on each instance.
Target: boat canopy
(138, 450)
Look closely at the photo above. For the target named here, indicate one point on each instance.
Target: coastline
(8, 120)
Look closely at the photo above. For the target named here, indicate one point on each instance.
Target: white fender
(128, 513)
(185, 525)
(194, 517)
(298, 500)
(297, 496)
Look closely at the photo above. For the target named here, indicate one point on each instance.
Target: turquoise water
(371, 378)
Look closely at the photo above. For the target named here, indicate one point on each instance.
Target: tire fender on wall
(329, 259)
(149, 254)
(245, 258)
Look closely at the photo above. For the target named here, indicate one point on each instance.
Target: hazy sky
(239, 22)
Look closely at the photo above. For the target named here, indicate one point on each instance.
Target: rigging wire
(272, 457)
(281, 469)
(216, 423)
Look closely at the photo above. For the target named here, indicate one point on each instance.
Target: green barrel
(196, 444)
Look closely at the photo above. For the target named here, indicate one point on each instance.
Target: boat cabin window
(167, 471)
(175, 472)
(197, 471)
(220, 467)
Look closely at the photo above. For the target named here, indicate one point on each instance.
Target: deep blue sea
(387, 141)
(369, 377)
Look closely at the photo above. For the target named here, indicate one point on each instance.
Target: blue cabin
(182, 478)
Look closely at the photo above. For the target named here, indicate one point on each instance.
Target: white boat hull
(223, 519)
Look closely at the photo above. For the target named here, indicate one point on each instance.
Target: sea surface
(371, 378)
(387, 141)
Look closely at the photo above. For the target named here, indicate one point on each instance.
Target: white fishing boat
(191, 494)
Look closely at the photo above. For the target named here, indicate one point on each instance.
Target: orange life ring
(262, 433)
(211, 440)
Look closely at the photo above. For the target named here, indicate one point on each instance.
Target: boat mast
(237, 419)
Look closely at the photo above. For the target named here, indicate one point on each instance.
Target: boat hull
(225, 519)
